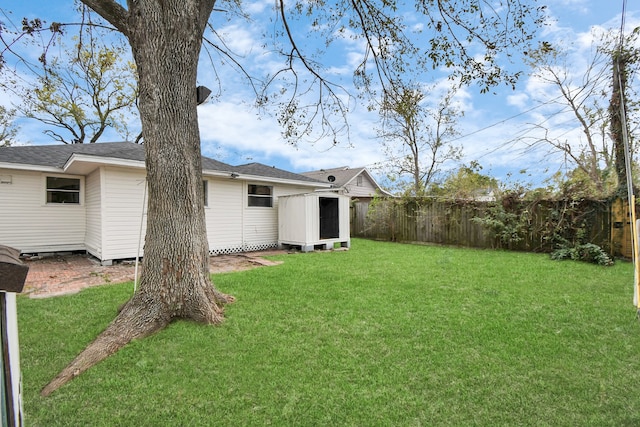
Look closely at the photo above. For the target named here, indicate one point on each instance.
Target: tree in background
(8, 130)
(624, 58)
(592, 157)
(416, 137)
(90, 88)
(468, 183)
(166, 39)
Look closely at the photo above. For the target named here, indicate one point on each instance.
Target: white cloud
(520, 100)
(234, 133)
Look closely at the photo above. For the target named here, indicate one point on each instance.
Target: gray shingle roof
(57, 156)
(258, 169)
(341, 176)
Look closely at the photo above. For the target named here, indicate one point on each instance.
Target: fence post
(620, 229)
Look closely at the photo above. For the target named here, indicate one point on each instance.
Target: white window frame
(256, 197)
(205, 192)
(80, 190)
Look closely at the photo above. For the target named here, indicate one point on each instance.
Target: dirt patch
(63, 275)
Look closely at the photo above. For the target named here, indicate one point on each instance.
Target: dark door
(329, 218)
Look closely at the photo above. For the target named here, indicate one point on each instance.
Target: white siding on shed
(299, 221)
(31, 225)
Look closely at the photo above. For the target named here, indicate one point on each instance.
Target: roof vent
(331, 178)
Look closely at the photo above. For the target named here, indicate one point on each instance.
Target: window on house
(260, 196)
(205, 192)
(359, 181)
(63, 190)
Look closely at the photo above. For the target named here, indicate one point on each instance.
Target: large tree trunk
(165, 38)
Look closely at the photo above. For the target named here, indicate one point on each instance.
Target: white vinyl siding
(29, 224)
(233, 226)
(261, 224)
(300, 222)
(93, 203)
(107, 221)
(366, 189)
(224, 216)
(122, 210)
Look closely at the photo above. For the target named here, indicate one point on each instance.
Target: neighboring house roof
(79, 158)
(343, 177)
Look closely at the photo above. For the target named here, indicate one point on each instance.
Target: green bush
(587, 252)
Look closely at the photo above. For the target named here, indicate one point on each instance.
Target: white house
(92, 197)
(357, 183)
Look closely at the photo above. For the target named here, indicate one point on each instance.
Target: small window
(205, 192)
(359, 181)
(63, 190)
(260, 196)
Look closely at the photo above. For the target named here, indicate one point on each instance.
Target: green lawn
(382, 335)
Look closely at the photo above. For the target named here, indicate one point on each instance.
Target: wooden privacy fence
(540, 224)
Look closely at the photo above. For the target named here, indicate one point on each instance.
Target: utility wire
(506, 119)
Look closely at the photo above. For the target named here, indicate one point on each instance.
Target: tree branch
(110, 10)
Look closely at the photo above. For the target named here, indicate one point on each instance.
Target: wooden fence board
(452, 223)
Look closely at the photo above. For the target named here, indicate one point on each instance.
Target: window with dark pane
(63, 190)
(260, 196)
(205, 192)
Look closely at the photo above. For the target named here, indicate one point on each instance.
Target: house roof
(342, 176)
(259, 169)
(52, 157)
(56, 156)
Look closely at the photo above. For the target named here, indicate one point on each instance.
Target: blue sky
(234, 132)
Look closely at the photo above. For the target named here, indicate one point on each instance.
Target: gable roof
(73, 158)
(343, 176)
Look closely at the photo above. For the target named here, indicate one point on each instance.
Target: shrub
(587, 252)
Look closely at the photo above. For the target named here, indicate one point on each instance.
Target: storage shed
(313, 221)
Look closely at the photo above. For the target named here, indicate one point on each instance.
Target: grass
(382, 335)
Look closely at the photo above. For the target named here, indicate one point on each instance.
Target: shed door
(329, 218)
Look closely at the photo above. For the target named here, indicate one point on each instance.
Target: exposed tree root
(139, 318)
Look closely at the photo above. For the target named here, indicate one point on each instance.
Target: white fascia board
(217, 174)
(111, 161)
(26, 167)
(259, 178)
(382, 190)
(372, 179)
(353, 177)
